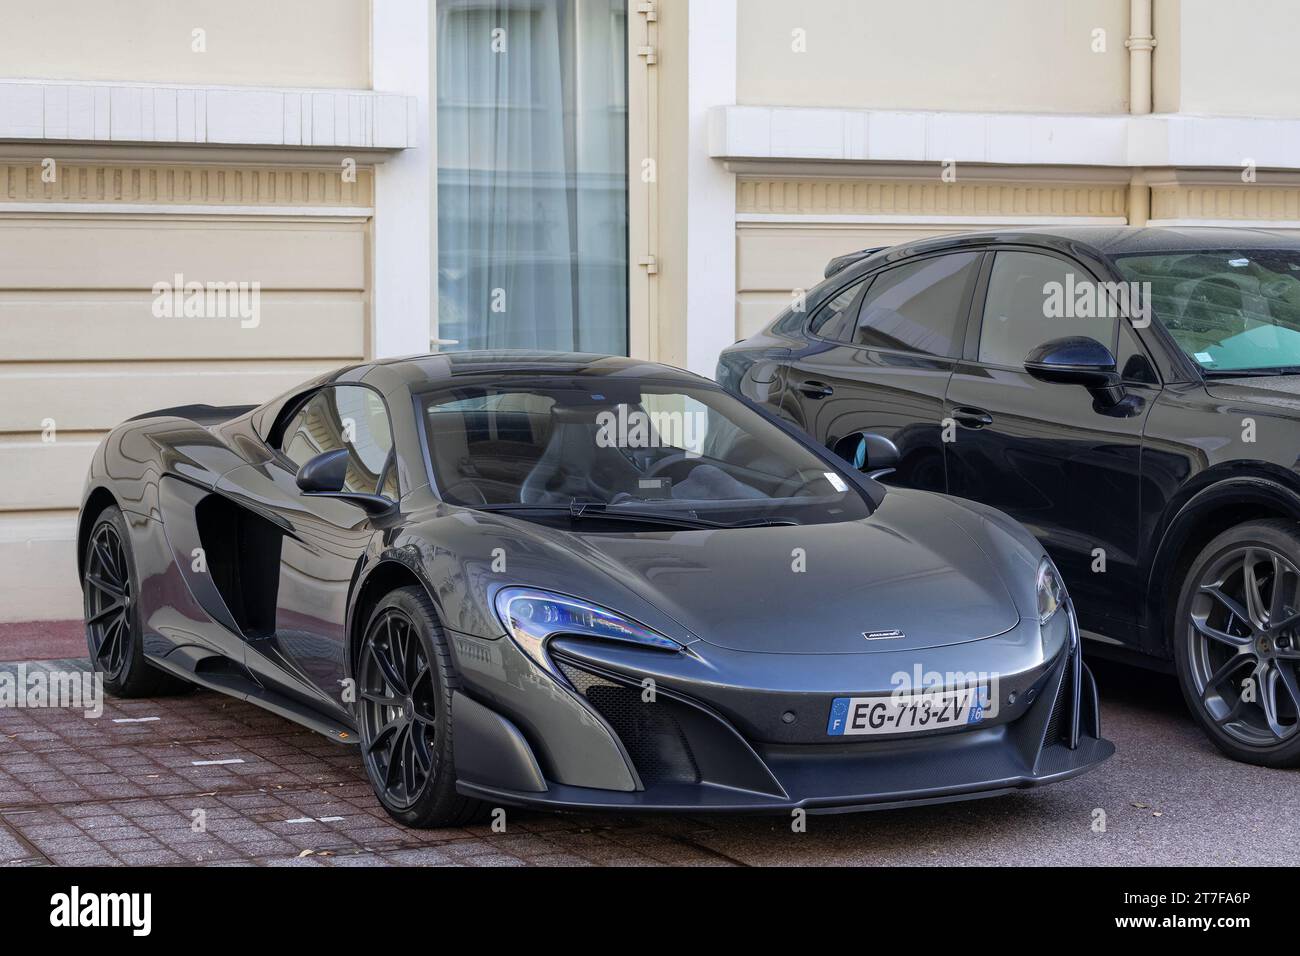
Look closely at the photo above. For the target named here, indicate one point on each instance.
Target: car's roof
(1111, 241)
(419, 371)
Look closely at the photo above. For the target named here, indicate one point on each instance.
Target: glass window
(831, 319)
(635, 448)
(1230, 311)
(343, 416)
(1035, 298)
(532, 174)
(919, 307)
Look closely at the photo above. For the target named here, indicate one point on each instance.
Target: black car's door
(880, 355)
(326, 537)
(1064, 465)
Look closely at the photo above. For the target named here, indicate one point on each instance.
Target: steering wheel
(663, 464)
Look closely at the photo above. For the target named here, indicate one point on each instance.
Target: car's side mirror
(324, 475)
(1076, 360)
(874, 455)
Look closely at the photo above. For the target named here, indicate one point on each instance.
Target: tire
(1236, 642)
(110, 590)
(405, 682)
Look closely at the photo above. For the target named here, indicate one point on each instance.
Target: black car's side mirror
(324, 475)
(875, 455)
(1078, 360)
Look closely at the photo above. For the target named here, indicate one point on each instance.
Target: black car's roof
(1111, 241)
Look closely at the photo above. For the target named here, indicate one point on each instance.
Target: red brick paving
(77, 790)
(82, 791)
(42, 640)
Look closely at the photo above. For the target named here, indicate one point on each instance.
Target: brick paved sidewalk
(134, 785)
(125, 788)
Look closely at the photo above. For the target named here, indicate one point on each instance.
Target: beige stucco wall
(81, 348)
(310, 43)
(1236, 58)
(1006, 55)
(1166, 59)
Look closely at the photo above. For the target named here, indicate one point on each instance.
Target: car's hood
(1281, 392)
(908, 576)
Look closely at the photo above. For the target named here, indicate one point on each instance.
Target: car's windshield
(582, 445)
(1231, 311)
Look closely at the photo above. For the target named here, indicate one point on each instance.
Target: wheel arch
(386, 576)
(97, 502)
(1199, 519)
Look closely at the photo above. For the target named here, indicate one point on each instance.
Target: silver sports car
(573, 581)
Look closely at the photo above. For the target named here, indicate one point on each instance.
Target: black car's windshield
(585, 447)
(1230, 311)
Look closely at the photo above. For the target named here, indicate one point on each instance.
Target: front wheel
(1237, 642)
(404, 685)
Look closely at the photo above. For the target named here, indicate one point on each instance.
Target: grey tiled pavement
(96, 791)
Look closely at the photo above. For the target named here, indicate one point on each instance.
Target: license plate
(905, 713)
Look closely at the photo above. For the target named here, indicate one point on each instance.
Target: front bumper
(685, 755)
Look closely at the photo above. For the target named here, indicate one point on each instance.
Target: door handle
(816, 389)
(971, 417)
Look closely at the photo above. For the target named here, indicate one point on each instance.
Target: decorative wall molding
(822, 199)
(778, 134)
(1242, 203)
(184, 185)
(233, 116)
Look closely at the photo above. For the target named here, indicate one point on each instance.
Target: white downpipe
(1140, 45)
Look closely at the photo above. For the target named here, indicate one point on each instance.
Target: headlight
(532, 617)
(1051, 592)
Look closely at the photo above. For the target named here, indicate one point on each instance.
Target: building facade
(206, 202)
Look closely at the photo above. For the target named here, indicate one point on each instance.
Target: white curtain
(532, 174)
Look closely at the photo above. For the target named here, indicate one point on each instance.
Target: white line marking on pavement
(215, 763)
(315, 820)
(134, 720)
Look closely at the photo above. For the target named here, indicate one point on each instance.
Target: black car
(1131, 395)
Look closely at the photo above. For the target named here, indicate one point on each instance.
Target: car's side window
(1034, 298)
(831, 320)
(344, 416)
(919, 307)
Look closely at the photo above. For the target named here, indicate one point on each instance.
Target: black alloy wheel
(1239, 651)
(111, 599)
(405, 684)
(108, 595)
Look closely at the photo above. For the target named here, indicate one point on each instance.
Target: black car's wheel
(1237, 642)
(404, 685)
(110, 591)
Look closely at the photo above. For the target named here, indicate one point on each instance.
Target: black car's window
(1034, 298)
(919, 307)
(1228, 310)
(626, 447)
(343, 416)
(832, 319)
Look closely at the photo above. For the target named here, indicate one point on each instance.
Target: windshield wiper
(1251, 372)
(582, 510)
